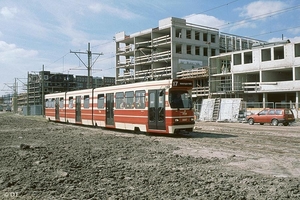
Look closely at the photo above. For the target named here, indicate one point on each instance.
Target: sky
(37, 33)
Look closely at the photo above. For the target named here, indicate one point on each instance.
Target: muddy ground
(45, 160)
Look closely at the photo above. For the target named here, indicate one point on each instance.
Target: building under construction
(174, 49)
(45, 82)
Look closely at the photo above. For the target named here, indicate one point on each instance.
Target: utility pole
(43, 91)
(28, 109)
(90, 64)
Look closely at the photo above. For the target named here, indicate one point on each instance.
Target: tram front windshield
(180, 99)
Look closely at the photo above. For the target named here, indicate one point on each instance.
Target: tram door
(110, 109)
(78, 109)
(156, 112)
(57, 109)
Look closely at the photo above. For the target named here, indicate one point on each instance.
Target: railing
(200, 91)
(194, 73)
(250, 86)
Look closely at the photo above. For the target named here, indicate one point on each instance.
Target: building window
(197, 50)
(205, 37)
(197, 35)
(212, 52)
(248, 57)
(189, 49)
(213, 38)
(278, 53)
(237, 59)
(265, 55)
(188, 34)
(244, 45)
(205, 51)
(178, 48)
(178, 33)
(297, 50)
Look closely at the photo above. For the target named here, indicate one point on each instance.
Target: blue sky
(34, 33)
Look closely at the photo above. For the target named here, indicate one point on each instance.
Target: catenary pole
(89, 64)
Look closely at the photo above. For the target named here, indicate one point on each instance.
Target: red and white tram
(163, 107)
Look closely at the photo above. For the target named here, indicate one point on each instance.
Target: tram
(163, 107)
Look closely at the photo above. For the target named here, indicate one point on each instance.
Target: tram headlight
(176, 120)
(192, 119)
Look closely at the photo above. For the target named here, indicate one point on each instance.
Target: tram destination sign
(182, 83)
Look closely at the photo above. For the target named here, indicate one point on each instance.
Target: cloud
(15, 62)
(121, 13)
(240, 25)
(278, 39)
(261, 9)
(10, 52)
(205, 20)
(8, 13)
(295, 39)
(294, 31)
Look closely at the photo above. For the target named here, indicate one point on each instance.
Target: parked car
(273, 116)
(8, 109)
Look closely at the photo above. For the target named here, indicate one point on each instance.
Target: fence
(33, 110)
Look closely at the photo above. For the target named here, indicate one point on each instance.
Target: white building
(267, 73)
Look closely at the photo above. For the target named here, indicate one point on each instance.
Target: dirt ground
(45, 160)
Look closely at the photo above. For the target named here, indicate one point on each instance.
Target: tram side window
(120, 103)
(86, 102)
(61, 102)
(100, 100)
(71, 102)
(129, 99)
(47, 103)
(140, 99)
(52, 103)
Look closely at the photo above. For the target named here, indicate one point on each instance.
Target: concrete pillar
(265, 99)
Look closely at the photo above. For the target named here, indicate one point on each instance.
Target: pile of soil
(47, 160)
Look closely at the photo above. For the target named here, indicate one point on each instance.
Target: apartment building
(267, 73)
(174, 49)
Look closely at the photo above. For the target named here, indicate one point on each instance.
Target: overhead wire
(254, 18)
(216, 7)
(258, 17)
(232, 24)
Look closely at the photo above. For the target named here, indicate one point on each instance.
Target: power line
(101, 44)
(226, 4)
(275, 31)
(254, 18)
(262, 16)
(59, 58)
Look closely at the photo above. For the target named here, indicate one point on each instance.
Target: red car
(273, 116)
